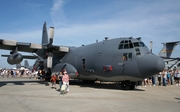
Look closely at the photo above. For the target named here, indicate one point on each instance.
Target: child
(53, 81)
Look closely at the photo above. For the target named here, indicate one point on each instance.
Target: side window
(127, 56)
(138, 51)
(124, 56)
(130, 56)
(83, 63)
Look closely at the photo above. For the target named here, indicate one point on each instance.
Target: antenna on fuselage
(151, 43)
(96, 41)
(106, 38)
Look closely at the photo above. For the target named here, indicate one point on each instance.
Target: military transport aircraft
(166, 51)
(126, 60)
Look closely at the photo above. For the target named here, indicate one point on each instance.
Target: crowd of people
(63, 79)
(164, 78)
(37, 74)
(14, 73)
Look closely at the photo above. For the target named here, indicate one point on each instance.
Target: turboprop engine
(72, 72)
(15, 58)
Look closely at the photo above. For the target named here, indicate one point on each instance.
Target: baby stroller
(63, 89)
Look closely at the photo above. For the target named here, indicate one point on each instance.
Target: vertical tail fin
(18, 66)
(168, 48)
(44, 35)
(26, 64)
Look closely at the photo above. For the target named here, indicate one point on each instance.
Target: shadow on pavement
(103, 85)
(18, 82)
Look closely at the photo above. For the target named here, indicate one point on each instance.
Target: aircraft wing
(22, 46)
(30, 47)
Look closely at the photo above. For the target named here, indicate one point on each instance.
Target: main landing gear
(127, 85)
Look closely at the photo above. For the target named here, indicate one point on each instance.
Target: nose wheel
(127, 85)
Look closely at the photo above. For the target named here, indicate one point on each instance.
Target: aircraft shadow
(178, 99)
(101, 85)
(72, 82)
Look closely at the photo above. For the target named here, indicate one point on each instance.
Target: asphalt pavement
(22, 94)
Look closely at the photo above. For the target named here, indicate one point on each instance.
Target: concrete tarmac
(29, 95)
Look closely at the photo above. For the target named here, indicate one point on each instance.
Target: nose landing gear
(127, 85)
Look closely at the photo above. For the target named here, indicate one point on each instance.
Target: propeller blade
(49, 61)
(51, 35)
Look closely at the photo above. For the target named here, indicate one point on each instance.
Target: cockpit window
(139, 44)
(125, 44)
(126, 41)
(142, 44)
(120, 46)
(122, 42)
(136, 44)
(130, 45)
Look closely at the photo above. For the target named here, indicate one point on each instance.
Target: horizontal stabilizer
(24, 56)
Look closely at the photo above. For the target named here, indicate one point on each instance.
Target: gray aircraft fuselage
(120, 59)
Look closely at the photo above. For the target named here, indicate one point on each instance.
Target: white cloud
(57, 14)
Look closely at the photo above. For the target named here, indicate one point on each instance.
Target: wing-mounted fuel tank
(72, 72)
(15, 58)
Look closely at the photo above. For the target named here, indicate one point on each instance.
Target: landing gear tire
(47, 76)
(132, 86)
(125, 85)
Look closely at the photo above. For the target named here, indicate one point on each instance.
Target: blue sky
(80, 22)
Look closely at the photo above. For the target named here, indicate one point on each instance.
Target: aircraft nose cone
(150, 64)
(159, 64)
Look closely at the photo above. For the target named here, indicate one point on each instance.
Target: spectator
(65, 80)
(164, 78)
(168, 77)
(60, 79)
(159, 78)
(53, 81)
(153, 80)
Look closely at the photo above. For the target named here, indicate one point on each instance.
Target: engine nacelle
(15, 58)
(71, 70)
